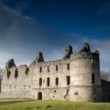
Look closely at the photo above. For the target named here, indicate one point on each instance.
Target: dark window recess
(93, 78)
(40, 82)
(48, 69)
(40, 69)
(68, 80)
(56, 81)
(48, 81)
(56, 68)
(76, 93)
(55, 91)
(27, 71)
(16, 73)
(39, 95)
(68, 66)
(8, 74)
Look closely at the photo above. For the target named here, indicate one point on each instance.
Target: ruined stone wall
(81, 87)
(76, 77)
(85, 77)
(49, 70)
(17, 86)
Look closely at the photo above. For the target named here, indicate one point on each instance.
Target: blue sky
(28, 26)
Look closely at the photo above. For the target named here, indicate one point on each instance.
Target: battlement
(68, 54)
(84, 55)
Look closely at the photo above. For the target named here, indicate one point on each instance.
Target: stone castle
(76, 77)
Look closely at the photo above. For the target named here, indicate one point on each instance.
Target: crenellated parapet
(86, 48)
(10, 63)
(39, 57)
(84, 55)
(67, 52)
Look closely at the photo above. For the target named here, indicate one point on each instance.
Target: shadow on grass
(27, 108)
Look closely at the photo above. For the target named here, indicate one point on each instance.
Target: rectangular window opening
(48, 81)
(40, 82)
(93, 78)
(57, 81)
(56, 68)
(68, 66)
(40, 69)
(68, 80)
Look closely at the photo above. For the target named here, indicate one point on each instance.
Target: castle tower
(85, 75)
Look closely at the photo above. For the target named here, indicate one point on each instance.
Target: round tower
(85, 75)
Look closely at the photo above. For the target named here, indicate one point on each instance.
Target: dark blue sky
(49, 25)
(84, 17)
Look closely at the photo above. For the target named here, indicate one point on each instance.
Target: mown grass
(55, 105)
(11, 100)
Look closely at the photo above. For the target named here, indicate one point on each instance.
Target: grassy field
(52, 105)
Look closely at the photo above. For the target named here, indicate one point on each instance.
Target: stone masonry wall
(19, 87)
(76, 78)
(81, 88)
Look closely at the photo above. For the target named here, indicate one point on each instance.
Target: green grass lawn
(54, 105)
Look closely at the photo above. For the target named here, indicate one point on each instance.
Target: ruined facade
(76, 77)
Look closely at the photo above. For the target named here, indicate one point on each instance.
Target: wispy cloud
(21, 36)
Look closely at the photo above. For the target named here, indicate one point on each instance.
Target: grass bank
(54, 105)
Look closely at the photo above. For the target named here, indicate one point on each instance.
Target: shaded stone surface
(86, 48)
(10, 63)
(67, 52)
(39, 57)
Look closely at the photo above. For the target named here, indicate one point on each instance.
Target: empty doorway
(39, 95)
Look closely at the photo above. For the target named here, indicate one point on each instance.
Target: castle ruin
(75, 77)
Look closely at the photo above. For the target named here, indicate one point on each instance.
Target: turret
(39, 57)
(86, 48)
(85, 74)
(67, 52)
(10, 63)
